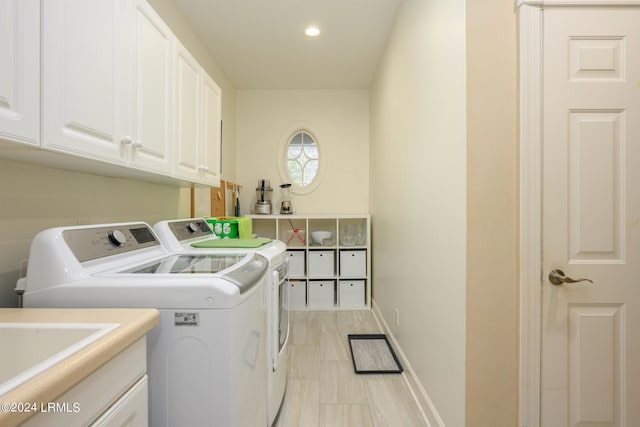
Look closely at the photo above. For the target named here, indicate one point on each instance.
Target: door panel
(84, 72)
(187, 119)
(596, 165)
(591, 217)
(211, 133)
(20, 71)
(151, 74)
(595, 363)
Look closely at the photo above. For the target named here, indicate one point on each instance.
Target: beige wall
(418, 195)
(492, 200)
(340, 121)
(34, 197)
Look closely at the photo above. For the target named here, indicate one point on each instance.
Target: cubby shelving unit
(332, 275)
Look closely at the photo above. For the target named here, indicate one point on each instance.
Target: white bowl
(319, 236)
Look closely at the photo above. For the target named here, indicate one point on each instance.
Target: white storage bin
(321, 293)
(351, 293)
(296, 263)
(353, 263)
(321, 264)
(297, 293)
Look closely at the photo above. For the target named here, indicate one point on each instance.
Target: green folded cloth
(232, 243)
(244, 227)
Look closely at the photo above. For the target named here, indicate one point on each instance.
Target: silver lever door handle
(557, 277)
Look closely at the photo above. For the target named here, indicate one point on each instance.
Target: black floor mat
(372, 354)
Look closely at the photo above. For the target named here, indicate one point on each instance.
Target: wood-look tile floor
(322, 388)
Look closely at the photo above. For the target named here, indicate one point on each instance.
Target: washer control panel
(190, 228)
(99, 242)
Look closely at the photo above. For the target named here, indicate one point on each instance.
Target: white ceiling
(260, 44)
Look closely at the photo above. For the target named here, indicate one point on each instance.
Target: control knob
(193, 227)
(117, 238)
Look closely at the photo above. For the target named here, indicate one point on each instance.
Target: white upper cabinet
(106, 80)
(187, 118)
(211, 131)
(197, 121)
(151, 74)
(20, 71)
(84, 78)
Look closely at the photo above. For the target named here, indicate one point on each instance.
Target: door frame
(530, 42)
(530, 117)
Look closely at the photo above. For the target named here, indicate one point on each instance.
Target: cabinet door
(20, 71)
(211, 131)
(150, 45)
(186, 114)
(130, 410)
(84, 77)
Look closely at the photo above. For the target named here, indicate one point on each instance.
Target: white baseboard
(428, 410)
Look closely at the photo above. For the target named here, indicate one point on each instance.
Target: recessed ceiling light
(312, 31)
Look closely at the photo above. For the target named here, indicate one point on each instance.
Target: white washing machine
(178, 236)
(207, 357)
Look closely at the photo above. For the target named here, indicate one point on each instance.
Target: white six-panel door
(591, 217)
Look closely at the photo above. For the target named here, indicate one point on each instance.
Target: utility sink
(30, 348)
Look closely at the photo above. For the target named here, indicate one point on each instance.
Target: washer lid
(187, 264)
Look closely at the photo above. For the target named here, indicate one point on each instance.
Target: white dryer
(206, 358)
(180, 236)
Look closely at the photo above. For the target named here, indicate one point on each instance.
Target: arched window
(302, 159)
